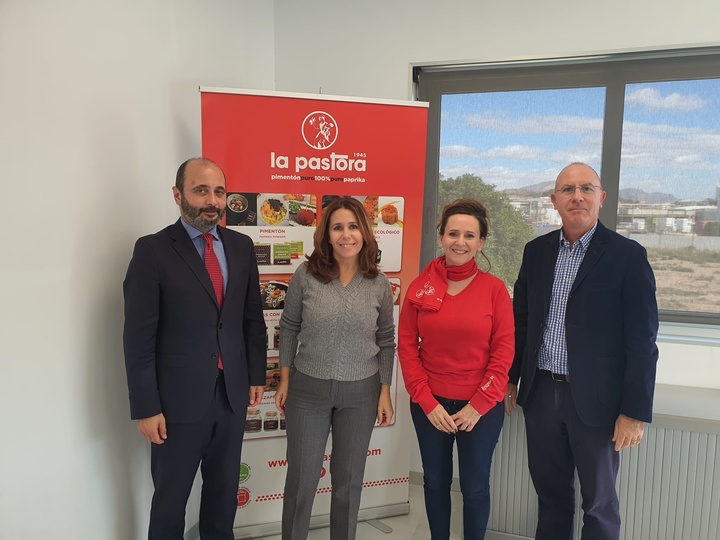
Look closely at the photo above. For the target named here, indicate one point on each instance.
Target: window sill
(687, 402)
(689, 334)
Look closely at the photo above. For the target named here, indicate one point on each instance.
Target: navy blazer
(611, 325)
(174, 330)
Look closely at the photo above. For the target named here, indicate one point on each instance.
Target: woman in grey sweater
(337, 348)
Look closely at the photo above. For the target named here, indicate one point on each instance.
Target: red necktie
(213, 267)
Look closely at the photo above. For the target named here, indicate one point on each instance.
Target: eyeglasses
(585, 189)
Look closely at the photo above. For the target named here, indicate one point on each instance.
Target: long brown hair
(321, 263)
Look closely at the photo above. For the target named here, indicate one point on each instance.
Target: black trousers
(214, 444)
(558, 444)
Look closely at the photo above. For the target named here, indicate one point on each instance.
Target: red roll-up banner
(285, 157)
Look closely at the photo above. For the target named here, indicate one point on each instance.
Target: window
(649, 124)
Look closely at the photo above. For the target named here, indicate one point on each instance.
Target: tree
(712, 229)
(509, 232)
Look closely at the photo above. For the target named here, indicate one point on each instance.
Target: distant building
(537, 211)
(662, 218)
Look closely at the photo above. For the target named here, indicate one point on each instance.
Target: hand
(466, 418)
(510, 399)
(385, 409)
(281, 396)
(440, 418)
(256, 394)
(282, 389)
(628, 432)
(153, 428)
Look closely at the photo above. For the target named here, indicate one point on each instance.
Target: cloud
(514, 151)
(688, 158)
(514, 166)
(457, 151)
(501, 176)
(654, 145)
(670, 159)
(651, 98)
(536, 124)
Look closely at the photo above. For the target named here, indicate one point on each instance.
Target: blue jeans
(475, 450)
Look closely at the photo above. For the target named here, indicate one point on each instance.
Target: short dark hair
(180, 175)
(466, 207)
(321, 263)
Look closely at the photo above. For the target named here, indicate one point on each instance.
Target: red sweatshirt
(464, 350)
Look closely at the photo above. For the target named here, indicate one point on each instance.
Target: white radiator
(669, 486)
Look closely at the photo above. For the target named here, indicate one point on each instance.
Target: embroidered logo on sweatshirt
(427, 289)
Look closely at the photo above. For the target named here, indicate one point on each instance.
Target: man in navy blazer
(586, 322)
(194, 361)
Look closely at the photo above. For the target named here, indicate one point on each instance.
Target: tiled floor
(413, 526)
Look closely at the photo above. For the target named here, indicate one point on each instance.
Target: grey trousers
(313, 406)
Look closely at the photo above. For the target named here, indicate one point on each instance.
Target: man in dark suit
(195, 355)
(586, 321)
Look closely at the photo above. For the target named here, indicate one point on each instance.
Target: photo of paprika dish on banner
(280, 224)
(263, 419)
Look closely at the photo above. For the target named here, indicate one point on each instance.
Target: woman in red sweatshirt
(456, 345)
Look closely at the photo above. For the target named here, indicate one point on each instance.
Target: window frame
(612, 71)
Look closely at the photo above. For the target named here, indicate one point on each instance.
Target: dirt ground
(687, 286)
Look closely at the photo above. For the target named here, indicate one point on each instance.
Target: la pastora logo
(320, 130)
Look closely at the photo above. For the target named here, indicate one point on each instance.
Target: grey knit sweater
(342, 333)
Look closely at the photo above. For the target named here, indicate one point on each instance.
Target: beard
(193, 215)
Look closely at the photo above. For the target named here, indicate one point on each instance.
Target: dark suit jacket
(611, 324)
(174, 330)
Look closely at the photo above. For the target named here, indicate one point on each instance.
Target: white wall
(367, 48)
(98, 106)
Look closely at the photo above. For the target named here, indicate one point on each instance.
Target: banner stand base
(371, 515)
(379, 525)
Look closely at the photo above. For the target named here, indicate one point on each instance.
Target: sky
(671, 136)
